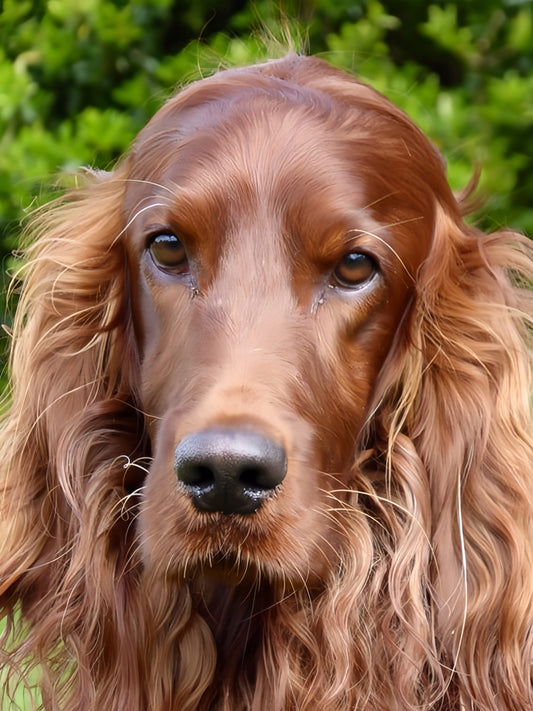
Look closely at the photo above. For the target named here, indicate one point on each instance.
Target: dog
(270, 441)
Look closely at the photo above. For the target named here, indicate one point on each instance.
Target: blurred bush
(79, 79)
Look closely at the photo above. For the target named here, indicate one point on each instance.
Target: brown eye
(355, 269)
(168, 252)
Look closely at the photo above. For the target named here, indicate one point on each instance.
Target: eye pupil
(355, 269)
(168, 252)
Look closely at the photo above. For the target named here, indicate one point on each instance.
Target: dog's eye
(354, 269)
(168, 252)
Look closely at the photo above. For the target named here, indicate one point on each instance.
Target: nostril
(195, 474)
(229, 470)
(251, 476)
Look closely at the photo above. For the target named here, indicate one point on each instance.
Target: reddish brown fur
(393, 567)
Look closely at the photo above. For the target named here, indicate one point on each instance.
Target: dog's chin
(246, 566)
(229, 571)
(251, 575)
(236, 570)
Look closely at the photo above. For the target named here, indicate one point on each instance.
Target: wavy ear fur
(73, 410)
(457, 413)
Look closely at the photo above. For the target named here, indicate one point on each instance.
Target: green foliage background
(78, 79)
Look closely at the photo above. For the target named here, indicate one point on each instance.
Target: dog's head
(277, 218)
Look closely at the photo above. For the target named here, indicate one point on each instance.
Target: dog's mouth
(221, 539)
(246, 551)
(231, 549)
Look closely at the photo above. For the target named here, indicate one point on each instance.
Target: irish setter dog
(270, 440)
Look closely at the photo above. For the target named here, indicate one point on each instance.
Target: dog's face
(274, 243)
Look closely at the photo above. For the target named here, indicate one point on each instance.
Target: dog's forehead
(239, 127)
(249, 127)
(257, 149)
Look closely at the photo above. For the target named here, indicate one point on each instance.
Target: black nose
(229, 470)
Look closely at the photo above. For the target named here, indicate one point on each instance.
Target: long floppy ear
(463, 384)
(73, 423)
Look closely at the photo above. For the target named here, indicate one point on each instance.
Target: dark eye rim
(346, 284)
